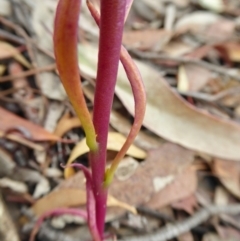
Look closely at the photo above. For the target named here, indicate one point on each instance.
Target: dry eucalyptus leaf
(10, 121)
(113, 202)
(228, 173)
(206, 26)
(178, 48)
(7, 51)
(59, 198)
(146, 39)
(187, 204)
(169, 116)
(153, 175)
(183, 186)
(65, 124)
(199, 19)
(70, 198)
(192, 77)
(21, 140)
(115, 142)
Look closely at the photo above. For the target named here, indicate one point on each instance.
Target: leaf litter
(186, 155)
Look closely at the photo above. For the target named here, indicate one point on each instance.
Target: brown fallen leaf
(187, 204)
(21, 140)
(192, 77)
(146, 39)
(65, 124)
(115, 142)
(59, 198)
(228, 173)
(183, 185)
(169, 116)
(71, 198)
(7, 51)
(232, 49)
(11, 122)
(177, 48)
(153, 176)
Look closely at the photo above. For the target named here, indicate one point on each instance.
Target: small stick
(174, 230)
(27, 73)
(183, 60)
(208, 97)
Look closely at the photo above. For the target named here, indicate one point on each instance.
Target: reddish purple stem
(111, 30)
(91, 204)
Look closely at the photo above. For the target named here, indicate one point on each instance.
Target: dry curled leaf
(228, 173)
(71, 198)
(115, 142)
(13, 123)
(154, 175)
(65, 124)
(184, 185)
(7, 51)
(169, 116)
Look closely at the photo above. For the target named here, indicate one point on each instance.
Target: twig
(28, 73)
(210, 98)
(154, 214)
(173, 230)
(218, 69)
(11, 37)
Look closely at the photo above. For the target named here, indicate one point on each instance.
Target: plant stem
(139, 95)
(111, 29)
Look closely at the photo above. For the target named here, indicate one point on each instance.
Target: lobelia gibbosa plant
(111, 23)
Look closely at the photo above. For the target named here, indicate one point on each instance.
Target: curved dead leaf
(164, 171)
(7, 51)
(113, 202)
(228, 173)
(63, 198)
(65, 124)
(10, 121)
(169, 116)
(115, 142)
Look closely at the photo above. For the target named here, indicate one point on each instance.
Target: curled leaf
(65, 49)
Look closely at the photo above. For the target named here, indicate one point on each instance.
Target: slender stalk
(91, 204)
(111, 29)
(139, 94)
